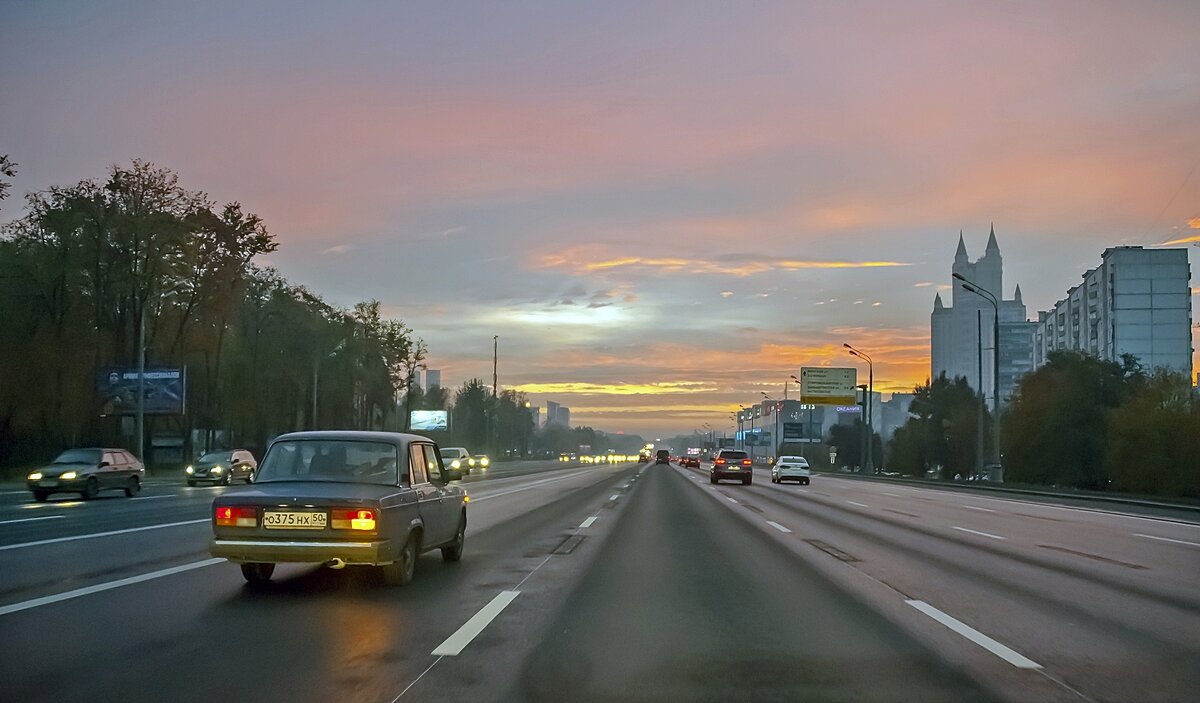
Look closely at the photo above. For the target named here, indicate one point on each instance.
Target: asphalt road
(616, 582)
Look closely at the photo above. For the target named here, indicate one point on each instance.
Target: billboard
(823, 385)
(164, 391)
(428, 420)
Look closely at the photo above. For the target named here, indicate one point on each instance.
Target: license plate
(294, 520)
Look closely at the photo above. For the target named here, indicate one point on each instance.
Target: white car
(790, 468)
(457, 458)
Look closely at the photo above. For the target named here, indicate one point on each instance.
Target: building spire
(962, 248)
(937, 302)
(1017, 293)
(992, 245)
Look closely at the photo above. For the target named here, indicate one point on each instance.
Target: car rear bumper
(732, 475)
(301, 551)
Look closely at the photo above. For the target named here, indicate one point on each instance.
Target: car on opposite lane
(791, 468)
(223, 467)
(343, 498)
(457, 458)
(88, 471)
(479, 461)
(731, 464)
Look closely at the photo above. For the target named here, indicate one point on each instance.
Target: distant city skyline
(661, 209)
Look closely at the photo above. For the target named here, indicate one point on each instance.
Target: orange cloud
(580, 260)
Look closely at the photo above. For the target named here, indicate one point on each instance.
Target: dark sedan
(222, 467)
(343, 498)
(87, 472)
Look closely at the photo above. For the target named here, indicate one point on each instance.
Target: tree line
(1076, 422)
(91, 265)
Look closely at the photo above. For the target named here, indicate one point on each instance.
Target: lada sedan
(341, 499)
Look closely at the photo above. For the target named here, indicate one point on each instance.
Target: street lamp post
(869, 407)
(810, 412)
(775, 433)
(741, 432)
(863, 442)
(987, 295)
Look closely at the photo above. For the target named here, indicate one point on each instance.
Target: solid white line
(894, 495)
(30, 519)
(100, 587)
(731, 500)
(991, 645)
(414, 681)
(587, 523)
(15, 493)
(169, 495)
(982, 510)
(455, 643)
(861, 505)
(614, 496)
(977, 532)
(777, 526)
(1168, 539)
(101, 534)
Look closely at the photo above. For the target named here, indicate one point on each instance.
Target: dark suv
(731, 464)
(662, 456)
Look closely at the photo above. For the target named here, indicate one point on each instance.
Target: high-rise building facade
(433, 377)
(1138, 301)
(551, 412)
(961, 334)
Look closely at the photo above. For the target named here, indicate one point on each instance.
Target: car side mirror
(453, 475)
(103, 464)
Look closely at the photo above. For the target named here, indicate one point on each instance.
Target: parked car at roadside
(223, 466)
(88, 471)
(343, 499)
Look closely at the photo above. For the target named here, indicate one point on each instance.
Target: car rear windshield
(792, 460)
(78, 456)
(342, 461)
(733, 455)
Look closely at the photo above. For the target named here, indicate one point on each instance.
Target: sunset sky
(661, 208)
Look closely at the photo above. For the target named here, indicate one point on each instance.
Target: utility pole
(141, 386)
(495, 358)
(982, 397)
(863, 444)
(987, 295)
(868, 408)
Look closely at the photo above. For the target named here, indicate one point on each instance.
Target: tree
(1154, 438)
(942, 432)
(1055, 430)
(8, 169)
(468, 425)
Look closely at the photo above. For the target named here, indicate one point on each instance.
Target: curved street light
(868, 407)
(972, 287)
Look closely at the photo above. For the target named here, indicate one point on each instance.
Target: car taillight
(745, 462)
(719, 461)
(352, 519)
(237, 517)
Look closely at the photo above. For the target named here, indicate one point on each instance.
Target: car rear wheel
(40, 496)
(132, 487)
(400, 572)
(712, 479)
(257, 573)
(454, 551)
(91, 488)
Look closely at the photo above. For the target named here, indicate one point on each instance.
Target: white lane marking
(169, 495)
(1168, 539)
(101, 587)
(587, 523)
(414, 681)
(1016, 659)
(731, 500)
(894, 495)
(31, 519)
(614, 496)
(777, 526)
(977, 532)
(40, 542)
(861, 505)
(455, 643)
(535, 484)
(976, 507)
(15, 493)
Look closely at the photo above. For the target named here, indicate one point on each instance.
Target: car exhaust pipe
(336, 563)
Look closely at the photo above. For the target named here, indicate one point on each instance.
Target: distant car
(643, 457)
(87, 472)
(457, 458)
(662, 456)
(479, 461)
(791, 468)
(732, 464)
(691, 461)
(223, 467)
(343, 498)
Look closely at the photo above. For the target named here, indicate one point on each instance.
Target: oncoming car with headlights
(343, 498)
(222, 467)
(87, 472)
(457, 458)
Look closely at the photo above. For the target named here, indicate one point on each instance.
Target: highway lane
(315, 634)
(1106, 604)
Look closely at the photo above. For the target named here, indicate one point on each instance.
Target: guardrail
(986, 487)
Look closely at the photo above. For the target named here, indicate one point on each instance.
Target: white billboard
(428, 420)
(824, 385)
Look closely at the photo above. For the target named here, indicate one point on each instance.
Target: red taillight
(719, 461)
(352, 519)
(745, 462)
(236, 517)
